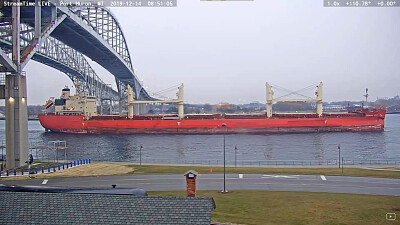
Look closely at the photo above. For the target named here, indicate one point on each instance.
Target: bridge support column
(120, 102)
(104, 103)
(101, 107)
(16, 121)
(143, 109)
(53, 14)
(38, 20)
(136, 109)
(16, 110)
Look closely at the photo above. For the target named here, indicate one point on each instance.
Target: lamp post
(224, 191)
(56, 149)
(342, 164)
(2, 152)
(140, 154)
(235, 155)
(339, 154)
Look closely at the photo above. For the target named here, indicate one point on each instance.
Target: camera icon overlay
(391, 216)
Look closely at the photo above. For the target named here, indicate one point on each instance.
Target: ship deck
(227, 116)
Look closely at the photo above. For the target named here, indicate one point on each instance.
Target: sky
(227, 51)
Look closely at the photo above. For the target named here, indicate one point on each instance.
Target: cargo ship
(78, 114)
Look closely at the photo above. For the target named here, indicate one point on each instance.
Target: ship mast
(131, 99)
(366, 97)
(271, 99)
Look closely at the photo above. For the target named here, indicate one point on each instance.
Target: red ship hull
(213, 124)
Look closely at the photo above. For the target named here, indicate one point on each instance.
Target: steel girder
(105, 24)
(58, 55)
(87, 24)
(53, 53)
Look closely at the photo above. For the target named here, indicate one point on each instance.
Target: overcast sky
(226, 51)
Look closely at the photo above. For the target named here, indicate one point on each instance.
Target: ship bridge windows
(60, 102)
(69, 112)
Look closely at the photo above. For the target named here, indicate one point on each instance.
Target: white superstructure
(75, 104)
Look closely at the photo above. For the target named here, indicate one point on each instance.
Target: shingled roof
(66, 208)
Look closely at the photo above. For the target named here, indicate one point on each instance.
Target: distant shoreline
(3, 118)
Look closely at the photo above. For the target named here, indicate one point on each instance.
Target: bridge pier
(136, 109)
(103, 106)
(16, 108)
(120, 102)
(141, 109)
(16, 121)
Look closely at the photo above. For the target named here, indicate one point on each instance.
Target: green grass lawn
(132, 169)
(150, 169)
(281, 207)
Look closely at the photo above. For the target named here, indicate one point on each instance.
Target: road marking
(323, 177)
(280, 176)
(45, 181)
(219, 178)
(327, 185)
(135, 179)
(368, 168)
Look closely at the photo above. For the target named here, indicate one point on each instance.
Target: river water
(209, 148)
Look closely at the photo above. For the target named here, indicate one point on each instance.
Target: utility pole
(224, 191)
(140, 155)
(342, 164)
(339, 155)
(235, 155)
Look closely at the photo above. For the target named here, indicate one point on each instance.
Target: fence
(44, 153)
(252, 163)
(43, 169)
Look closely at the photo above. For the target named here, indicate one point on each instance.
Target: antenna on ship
(366, 97)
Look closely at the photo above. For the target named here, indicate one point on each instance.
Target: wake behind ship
(78, 114)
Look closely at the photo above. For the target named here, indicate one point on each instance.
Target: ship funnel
(66, 92)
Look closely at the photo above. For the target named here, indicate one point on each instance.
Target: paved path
(313, 183)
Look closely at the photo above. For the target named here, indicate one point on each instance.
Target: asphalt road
(312, 183)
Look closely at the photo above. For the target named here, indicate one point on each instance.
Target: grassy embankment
(150, 169)
(100, 169)
(281, 207)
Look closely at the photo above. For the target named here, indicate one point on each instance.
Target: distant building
(256, 104)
